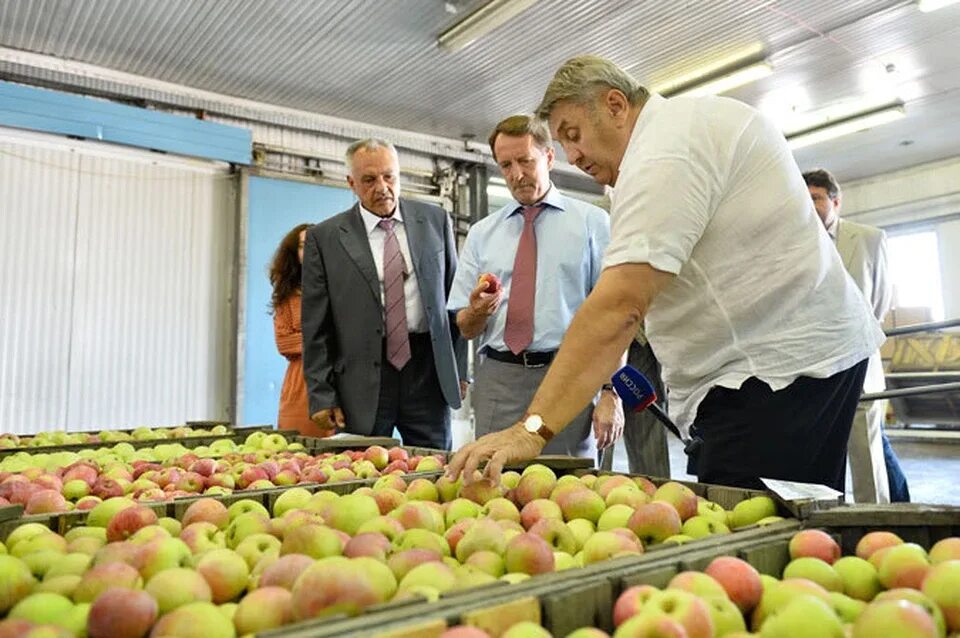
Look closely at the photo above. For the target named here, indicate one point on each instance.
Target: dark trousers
(798, 433)
(897, 480)
(411, 399)
(643, 435)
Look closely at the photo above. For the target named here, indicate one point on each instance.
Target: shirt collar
(370, 221)
(647, 113)
(553, 199)
(833, 227)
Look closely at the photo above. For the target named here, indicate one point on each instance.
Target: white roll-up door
(115, 283)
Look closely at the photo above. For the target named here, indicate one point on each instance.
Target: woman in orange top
(285, 272)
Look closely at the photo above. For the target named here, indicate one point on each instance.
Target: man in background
(546, 249)
(380, 349)
(876, 472)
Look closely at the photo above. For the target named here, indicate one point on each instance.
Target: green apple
(294, 498)
(16, 582)
(804, 617)
(614, 516)
(752, 510)
(701, 526)
(177, 587)
(859, 578)
(942, 586)
(582, 530)
(815, 570)
(44, 608)
(894, 618)
(847, 609)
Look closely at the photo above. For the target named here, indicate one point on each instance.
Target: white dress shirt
(708, 190)
(416, 319)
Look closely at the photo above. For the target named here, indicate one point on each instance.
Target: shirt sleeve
(660, 211)
(468, 271)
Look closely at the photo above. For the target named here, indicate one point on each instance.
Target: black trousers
(411, 399)
(798, 433)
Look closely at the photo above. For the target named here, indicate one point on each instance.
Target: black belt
(525, 358)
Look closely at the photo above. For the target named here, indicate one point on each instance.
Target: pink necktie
(519, 330)
(394, 301)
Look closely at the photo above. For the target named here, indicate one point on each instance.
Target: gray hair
(580, 79)
(367, 144)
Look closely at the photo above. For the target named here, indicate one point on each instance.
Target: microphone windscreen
(634, 389)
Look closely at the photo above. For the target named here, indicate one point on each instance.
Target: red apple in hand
(492, 281)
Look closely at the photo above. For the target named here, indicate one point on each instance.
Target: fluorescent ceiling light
(932, 5)
(794, 123)
(481, 22)
(727, 81)
(846, 127)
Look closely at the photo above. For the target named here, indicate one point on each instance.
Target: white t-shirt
(708, 190)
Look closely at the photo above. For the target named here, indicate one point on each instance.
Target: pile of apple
(890, 589)
(62, 481)
(41, 439)
(226, 571)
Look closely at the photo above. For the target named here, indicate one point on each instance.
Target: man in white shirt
(762, 336)
(874, 467)
(380, 349)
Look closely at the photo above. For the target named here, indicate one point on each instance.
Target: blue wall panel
(274, 207)
(36, 109)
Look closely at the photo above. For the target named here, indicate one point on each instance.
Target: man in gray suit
(379, 348)
(877, 477)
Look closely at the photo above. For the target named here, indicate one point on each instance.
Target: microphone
(637, 394)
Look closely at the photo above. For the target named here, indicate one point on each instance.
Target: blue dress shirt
(571, 238)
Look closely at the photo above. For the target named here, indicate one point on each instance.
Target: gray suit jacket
(342, 312)
(863, 250)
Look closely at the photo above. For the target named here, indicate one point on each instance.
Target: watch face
(533, 423)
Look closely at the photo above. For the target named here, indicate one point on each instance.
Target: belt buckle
(530, 365)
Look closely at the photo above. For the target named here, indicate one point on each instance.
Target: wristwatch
(533, 424)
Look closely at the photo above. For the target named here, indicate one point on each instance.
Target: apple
(510, 479)
(254, 547)
(727, 618)
(529, 554)
(533, 486)
(538, 509)
(334, 585)
(121, 613)
(209, 510)
(483, 535)
(654, 522)
(482, 491)
(164, 553)
(378, 455)
(701, 585)
(751, 510)
(628, 494)
(428, 464)
(942, 586)
(102, 577)
(225, 572)
(63, 585)
(128, 520)
(285, 570)
(500, 508)
(16, 582)
(631, 602)
(815, 570)
(903, 565)
(70, 565)
(651, 626)
(370, 544)
(944, 550)
(45, 502)
(459, 509)
(401, 562)
(814, 543)
(435, 574)
(490, 282)
(581, 502)
(245, 525)
(422, 490)
(681, 497)
(350, 511)
(101, 514)
(860, 580)
(917, 598)
(172, 526)
(419, 515)
(688, 610)
(247, 505)
(739, 579)
(702, 526)
(43, 608)
(582, 530)
(173, 588)
(202, 536)
(604, 485)
(194, 620)
(804, 617)
(847, 609)
(389, 527)
(424, 539)
(778, 594)
(314, 540)
(894, 618)
(395, 482)
(874, 541)
(263, 609)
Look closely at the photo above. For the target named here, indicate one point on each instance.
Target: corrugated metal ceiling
(377, 61)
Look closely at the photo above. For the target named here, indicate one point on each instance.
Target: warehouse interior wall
(115, 279)
(273, 207)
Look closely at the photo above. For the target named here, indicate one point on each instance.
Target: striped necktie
(394, 301)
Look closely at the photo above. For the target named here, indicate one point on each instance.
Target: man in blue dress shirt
(546, 249)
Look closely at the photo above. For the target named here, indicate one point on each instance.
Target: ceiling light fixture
(932, 5)
(719, 76)
(719, 85)
(481, 22)
(853, 124)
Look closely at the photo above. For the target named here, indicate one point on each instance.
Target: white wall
(115, 277)
(948, 235)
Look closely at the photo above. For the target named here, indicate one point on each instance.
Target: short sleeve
(661, 208)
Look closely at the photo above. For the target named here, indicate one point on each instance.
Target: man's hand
(497, 448)
(464, 386)
(329, 419)
(483, 303)
(607, 419)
